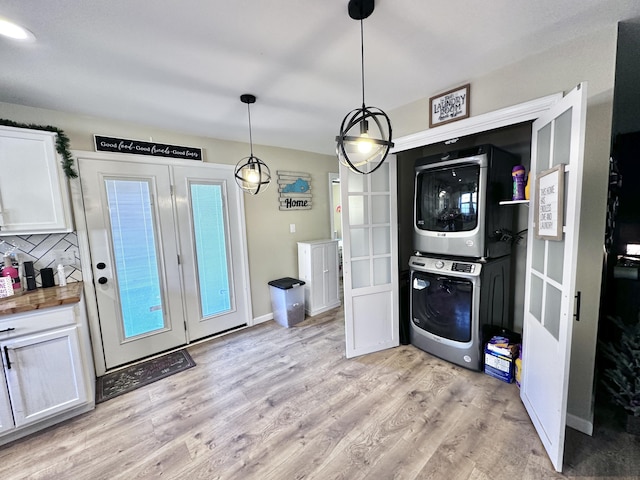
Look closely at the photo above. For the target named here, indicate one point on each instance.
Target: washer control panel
(429, 264)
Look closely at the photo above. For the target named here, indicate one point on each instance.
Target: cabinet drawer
(36, 321)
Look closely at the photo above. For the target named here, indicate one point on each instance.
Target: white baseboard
(580, 424)
(263, 318)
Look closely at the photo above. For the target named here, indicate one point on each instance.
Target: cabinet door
(6, 418)
(332, 295)
(44, 374)
(317, 292)
(33, 193)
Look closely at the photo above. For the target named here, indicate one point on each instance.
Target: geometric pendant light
(365, 133)
(252, 174)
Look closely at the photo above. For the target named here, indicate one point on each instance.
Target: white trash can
(287, 301)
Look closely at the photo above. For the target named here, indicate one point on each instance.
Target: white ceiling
(182, 65)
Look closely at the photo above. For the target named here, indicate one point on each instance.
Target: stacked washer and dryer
(460, 285)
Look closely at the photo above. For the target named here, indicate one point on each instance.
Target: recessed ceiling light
(15, 31)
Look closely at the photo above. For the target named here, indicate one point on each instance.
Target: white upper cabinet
(34, 195)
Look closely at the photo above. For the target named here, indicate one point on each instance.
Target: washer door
(442, 305)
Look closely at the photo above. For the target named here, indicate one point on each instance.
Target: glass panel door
(210, 235)
(210, 227)
(135, 253)
(134, 258)
(558, 139)
(370, 250)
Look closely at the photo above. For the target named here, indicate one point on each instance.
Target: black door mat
(117, 383)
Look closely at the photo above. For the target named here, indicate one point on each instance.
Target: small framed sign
(449, 106)
(295, 190)
(549, 213)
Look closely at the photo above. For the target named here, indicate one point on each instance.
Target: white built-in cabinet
(34, 195)
(47, 373)
(318, 268)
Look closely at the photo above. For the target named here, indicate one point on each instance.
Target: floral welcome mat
(129, 378)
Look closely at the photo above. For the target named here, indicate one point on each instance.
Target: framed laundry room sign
(549, 207)
(139, 147)
(449, 106)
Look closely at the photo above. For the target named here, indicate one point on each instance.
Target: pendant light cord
(250, 137)
(362, 58)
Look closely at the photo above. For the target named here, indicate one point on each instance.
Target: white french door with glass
(210, 217)
(551, 301)
(160, 238)
(370, 253)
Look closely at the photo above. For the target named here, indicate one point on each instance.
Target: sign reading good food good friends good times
(138, 147)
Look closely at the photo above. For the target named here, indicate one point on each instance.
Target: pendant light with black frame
(365, 133)
(252, 174)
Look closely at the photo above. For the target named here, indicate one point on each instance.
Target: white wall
(272, 249)
(590, 58)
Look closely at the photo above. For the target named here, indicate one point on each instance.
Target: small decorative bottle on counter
(12, 272)
(62, 279)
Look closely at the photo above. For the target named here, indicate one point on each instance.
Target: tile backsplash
(41, 250)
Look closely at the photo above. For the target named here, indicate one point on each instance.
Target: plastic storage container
(287, 301)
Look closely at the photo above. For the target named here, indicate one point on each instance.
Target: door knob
(102, 280)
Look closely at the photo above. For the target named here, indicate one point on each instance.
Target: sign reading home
(138, 147)
(295, 190)
(449, 106)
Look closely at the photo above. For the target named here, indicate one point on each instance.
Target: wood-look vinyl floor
(274, 403)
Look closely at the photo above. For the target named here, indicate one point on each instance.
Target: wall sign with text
(295, 190)
(549, 213)
(449, 106)
(138, 147)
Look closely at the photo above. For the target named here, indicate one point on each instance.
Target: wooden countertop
(41, 298)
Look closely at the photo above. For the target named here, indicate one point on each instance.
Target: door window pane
(544, 148)
(133, 233)
(358, 210)
(380, 211)
(555, 262)
(359, 242)
(360, 273)
(381, 240)
(357, 183)
(552, 310)
(562, 138)
(537, 253)
(211, 248)
(535, 298)
(380, 179)
(381, 270)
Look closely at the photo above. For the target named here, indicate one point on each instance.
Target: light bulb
(251, 175)
(364, 143)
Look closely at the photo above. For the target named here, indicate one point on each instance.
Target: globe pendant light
(365, 133)
(252, 174)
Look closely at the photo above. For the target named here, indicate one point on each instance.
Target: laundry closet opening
(515, 139)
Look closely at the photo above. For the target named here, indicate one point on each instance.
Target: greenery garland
(62, 143)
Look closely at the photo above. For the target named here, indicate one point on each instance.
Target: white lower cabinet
(46, 375)
(318, 268)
